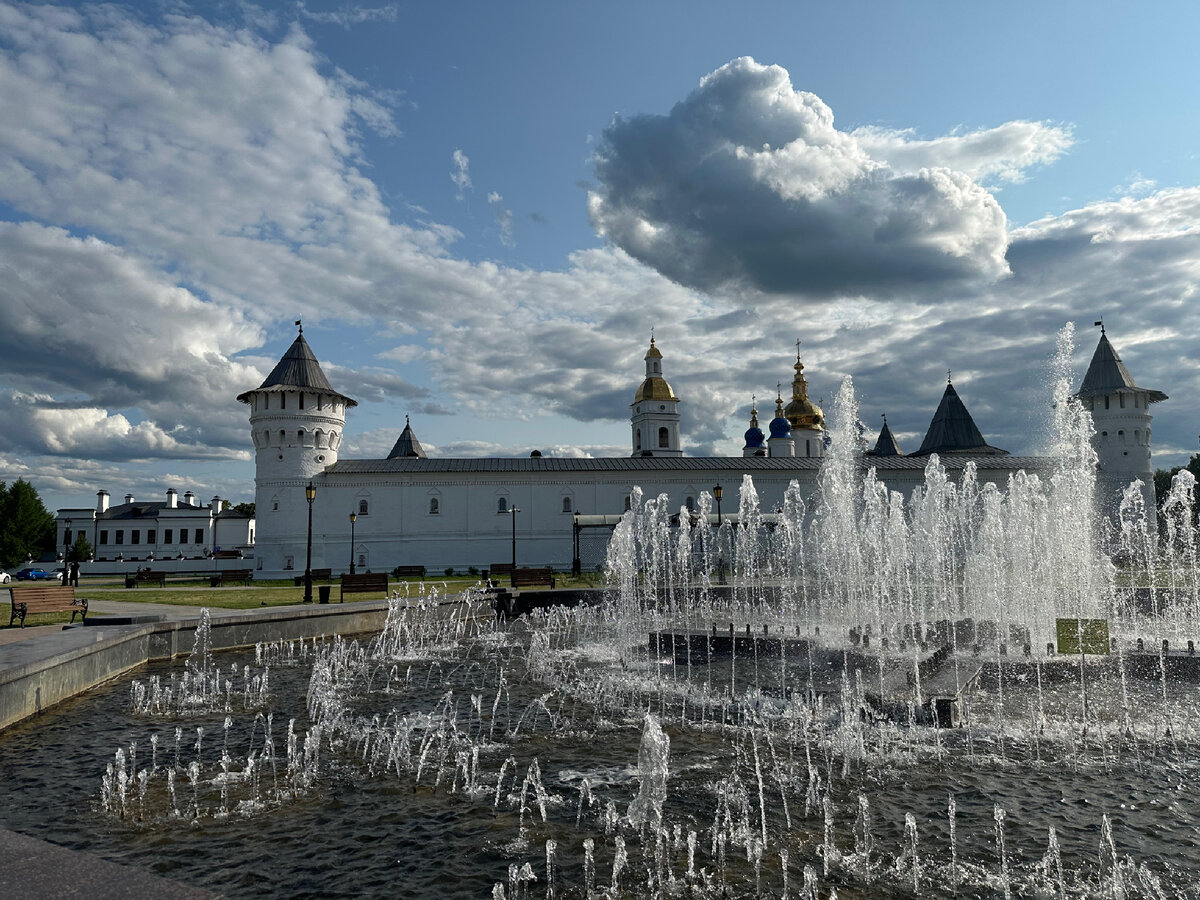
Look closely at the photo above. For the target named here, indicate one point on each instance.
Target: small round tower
(296, 424)
(780, 442)
(755, 445)
(1121, 416)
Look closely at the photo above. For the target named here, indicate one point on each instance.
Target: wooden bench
(498, 569)
(229, 576)
(533, 577)
(146, 576)
(33, 600)
(317, 575)
(409, 572)
(369, 583)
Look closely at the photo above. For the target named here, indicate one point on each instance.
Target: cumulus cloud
(747, 183)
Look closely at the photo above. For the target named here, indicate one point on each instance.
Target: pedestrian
(75, 574)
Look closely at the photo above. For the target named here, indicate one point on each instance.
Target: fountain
(954, 693)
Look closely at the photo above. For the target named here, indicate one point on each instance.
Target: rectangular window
(167, 535)
(199, 535)
(120, 536)
(104, 537)
(135, 537)
(150, 535)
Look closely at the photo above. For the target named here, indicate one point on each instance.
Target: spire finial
(947, 376)
(753, 403)
(406, 420)
(884, 418)
(779, 390)
(1100, 322)
(298, 325)
(797, 349)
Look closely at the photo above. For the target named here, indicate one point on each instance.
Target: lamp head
(718, 492)
(310, 492)
(353, 518)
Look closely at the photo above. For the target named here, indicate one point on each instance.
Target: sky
(481, 212)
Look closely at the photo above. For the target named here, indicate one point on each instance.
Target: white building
(458, 513)
(161, 533)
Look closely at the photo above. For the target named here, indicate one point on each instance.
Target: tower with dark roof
(654, 418)
(296, 425)
(1121, 416)
(886, 444)
(805, 417)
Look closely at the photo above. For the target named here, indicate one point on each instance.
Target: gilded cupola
(802, 412)
(654, 387)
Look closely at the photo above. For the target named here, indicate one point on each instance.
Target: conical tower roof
(887, 444)
(298, 370)
(953, 430)
(1106, 374)
(407, 446)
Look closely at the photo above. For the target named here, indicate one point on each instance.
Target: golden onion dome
(802, 412)
(655, 387)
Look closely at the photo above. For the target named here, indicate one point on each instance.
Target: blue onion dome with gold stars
(754, 434)
(780, 427)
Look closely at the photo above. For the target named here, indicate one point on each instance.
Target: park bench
(368, 583)
(496, 569)
(409, 572)
(146, 576)
(229, 576)
(33, 600)
(533, 577)
(317, 575)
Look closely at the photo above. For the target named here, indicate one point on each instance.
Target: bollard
(1049, 648)
(747, 629)
(1191, 648)
(1166, 646)
(1141, 646)
(766, 633)
(1028, 649)
(714, 631)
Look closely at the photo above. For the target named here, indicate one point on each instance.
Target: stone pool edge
(42, 672)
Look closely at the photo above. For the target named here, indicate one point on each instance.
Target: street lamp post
(353, 519)
(67, 553)
(310, 494)
(513, 574)
(717, 494)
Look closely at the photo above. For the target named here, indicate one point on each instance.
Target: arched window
(434, 506)
(300, 437)
(628, 504)
(690, 503)
(283, 401)
(637, 439)
(502, 505)
(664, 438)
(566, 504)
(363, 506)
(1121, 398)
(302, 399)
(1106, 402)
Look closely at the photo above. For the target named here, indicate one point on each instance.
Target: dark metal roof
(886, 445)
(297, 370)
(407, 446)
(1106, 374)
(649, 464)
(145, 510)
(954, 431)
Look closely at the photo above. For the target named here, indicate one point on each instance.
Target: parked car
(29, 574)
(5, 578)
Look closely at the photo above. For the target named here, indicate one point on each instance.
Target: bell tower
(654, 415)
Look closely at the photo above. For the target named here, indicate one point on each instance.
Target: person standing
(75, 574)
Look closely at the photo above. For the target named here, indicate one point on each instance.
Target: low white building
(166, 534)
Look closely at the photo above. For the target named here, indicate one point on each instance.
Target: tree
(81, 550)
(26, 527)
(246, 509)
(1163, 477)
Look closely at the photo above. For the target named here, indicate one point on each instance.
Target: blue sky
(481, 210)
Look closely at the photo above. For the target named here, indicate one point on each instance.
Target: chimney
(215, 506)
(101, 502)
(129, 498)
(189, 499)
(172, 499)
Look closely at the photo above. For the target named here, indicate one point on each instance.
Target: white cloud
(504, 219)
(461, 173)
